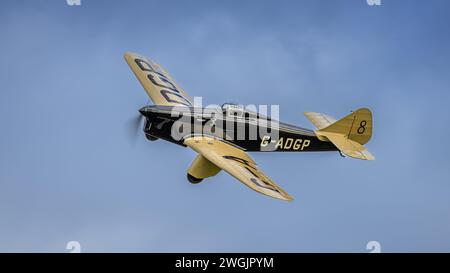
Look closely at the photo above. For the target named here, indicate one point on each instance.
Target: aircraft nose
(143, 111)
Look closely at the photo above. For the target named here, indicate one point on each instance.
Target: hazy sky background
(68, 170)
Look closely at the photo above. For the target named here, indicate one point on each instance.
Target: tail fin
(347, 134)
(357, 126)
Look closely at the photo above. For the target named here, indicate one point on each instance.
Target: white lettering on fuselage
(286, 144)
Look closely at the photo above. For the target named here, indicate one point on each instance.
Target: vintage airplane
(217, 143)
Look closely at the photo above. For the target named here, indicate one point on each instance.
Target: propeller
(134, 127)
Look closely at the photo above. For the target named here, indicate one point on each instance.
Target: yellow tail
(347, 134)
(357, 126)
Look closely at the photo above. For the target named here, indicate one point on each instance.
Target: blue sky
(68, 170)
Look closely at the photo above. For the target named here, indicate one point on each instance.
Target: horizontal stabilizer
(347, 146)
(320, 120)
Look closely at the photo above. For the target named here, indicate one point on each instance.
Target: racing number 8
(362, 127)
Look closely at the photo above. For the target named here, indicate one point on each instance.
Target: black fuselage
(250, 132)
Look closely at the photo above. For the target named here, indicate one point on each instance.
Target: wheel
(194, 180)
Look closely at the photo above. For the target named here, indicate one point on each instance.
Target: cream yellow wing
(158, 84)
(237, 163)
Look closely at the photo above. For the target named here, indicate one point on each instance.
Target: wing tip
(284, 196)
(128, 55)
(290, 198)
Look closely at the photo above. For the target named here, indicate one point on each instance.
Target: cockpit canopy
(233, 110)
